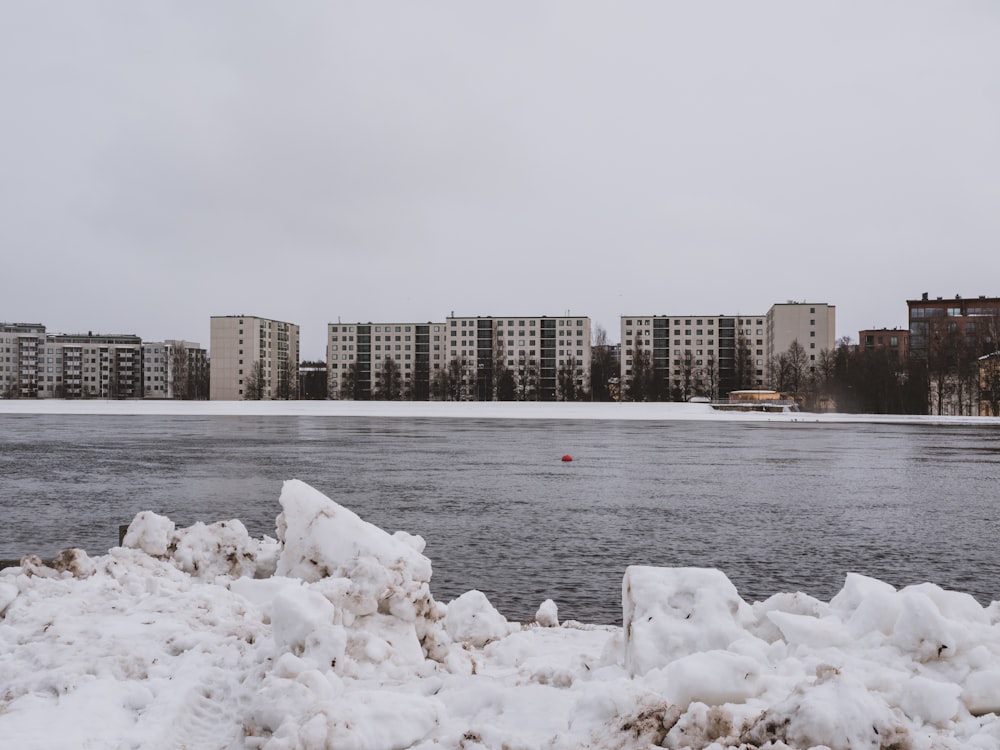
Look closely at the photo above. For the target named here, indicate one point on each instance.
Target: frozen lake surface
(777, 504)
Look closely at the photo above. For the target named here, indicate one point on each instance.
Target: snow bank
(329, 636)
(652, 411)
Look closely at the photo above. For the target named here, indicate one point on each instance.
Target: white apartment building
(90, 366)
(712, 355)
(174, 369)
(356, 354)
(253, 358)
(812, 324)
(695, 355)
(542, 354)
(19, 345)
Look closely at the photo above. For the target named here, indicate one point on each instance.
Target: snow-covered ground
(329, 636)
(454, 410)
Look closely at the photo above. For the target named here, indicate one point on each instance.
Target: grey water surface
(777, 506)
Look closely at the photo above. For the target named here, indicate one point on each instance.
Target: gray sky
(164, 162)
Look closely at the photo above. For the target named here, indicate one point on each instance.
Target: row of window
(510, 323)
(697, 321)
(380, 329)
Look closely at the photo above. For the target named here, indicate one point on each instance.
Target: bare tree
(179, 372)
(526, 378)
(200, 380)
(640, 382)
(439, 385)
(687, 383)
(566, 377)
(288, 379)
(795, 367)
(743, 362)
(294, 379)
(503, 378)
(253, 389)
(603, 367)
(388, 385)
(455, 381)
(350, 383)
(506, 386)
(712, 377)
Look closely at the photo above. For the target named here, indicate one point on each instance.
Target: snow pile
(203, 551)
(328, 636)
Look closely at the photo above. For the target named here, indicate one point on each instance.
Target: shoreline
(569, 411)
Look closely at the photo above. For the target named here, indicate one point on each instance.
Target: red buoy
(567, 457)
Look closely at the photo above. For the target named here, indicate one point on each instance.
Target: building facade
(895, 342)
(522, 358)
(685, 356)
(989, 385)
(462, 358)
(973, 321)
(19, 353)
(174, 369)
(364, 359)
(90, 365)
(812, 324)
(253, 358)
(947, 338)
(693, 355)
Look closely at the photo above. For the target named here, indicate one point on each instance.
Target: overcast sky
(163, 162)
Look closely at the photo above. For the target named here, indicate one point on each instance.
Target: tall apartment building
(253, 358)
(712, 355)
(174, 369)
(812, 324)
(534, 351)
(19, 345)
(89, 365)
(357, 353)
(696, 355)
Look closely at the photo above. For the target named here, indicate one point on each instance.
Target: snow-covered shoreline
(460, 410)
(329, 636)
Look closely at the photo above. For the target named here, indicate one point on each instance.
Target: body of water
(777, 506)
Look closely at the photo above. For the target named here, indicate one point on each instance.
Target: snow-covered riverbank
(456, 410)
(329, 636)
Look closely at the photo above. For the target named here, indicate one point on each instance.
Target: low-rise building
(895, 342)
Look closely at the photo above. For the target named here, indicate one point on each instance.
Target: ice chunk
(322, 539)
(8, 593)
(982, 692)
(548, 614)
(302, 623)
(471, 619)
(710, 677)
(673, 612)
(150, 533)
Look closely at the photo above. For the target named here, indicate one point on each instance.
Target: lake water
(776, 506)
